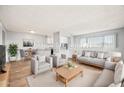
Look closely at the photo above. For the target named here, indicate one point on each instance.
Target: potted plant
(13, 52)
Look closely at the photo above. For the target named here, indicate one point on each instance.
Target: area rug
(48, 79)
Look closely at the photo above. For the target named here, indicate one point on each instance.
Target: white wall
(18, 37)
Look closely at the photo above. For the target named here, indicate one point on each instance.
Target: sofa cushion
(100, 55)
(93, 54)
(108, 59)
(119, 73)
(43, 65)
(105, 79)
(83, 59)
(106, 55)
(41, 58)
(97, 61)
(87, 54)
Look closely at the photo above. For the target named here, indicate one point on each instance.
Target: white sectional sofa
(96, 58)
(111, 78)
(113, 68)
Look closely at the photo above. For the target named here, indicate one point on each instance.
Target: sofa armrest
(34, 66)
(110, 65)
(49, 60)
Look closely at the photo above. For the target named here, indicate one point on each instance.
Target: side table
(74, 57)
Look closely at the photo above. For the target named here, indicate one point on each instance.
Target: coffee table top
(68, 73)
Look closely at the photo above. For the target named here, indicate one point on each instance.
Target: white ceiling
(67, 19)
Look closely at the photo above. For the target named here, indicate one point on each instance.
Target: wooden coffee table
(65, 74)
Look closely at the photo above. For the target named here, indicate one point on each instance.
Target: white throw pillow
(100, 55)
(119, 73)
(109, 59)
(41, 58)
(115, 85)
(87, 54)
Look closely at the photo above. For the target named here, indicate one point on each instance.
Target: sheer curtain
(95, 42)
(110, 41)
(83, 43)
(106, 41)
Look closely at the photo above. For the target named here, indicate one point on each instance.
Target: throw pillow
(115, 85)
(41, 58)
(106, 55)
(83, 53)
(100, 55)
(119, 73)
(87, 54)
(116, 59)
(92, 54)
(109, 59)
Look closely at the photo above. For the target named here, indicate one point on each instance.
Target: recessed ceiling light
(32, 32)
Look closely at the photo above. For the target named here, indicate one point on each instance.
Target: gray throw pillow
(93, 54)
(100, 55)
(83, 53)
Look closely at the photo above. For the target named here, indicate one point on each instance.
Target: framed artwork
(28, 43)
(64, 46)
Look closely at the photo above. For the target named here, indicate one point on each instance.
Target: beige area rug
(48, 79)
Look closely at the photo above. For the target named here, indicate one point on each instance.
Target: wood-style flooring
(18, 73)
(4, 77)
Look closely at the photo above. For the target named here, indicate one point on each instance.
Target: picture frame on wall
(28, 43)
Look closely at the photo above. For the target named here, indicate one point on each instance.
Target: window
(95, 42)
(106, 41)
(110, 41)
(83, 42)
